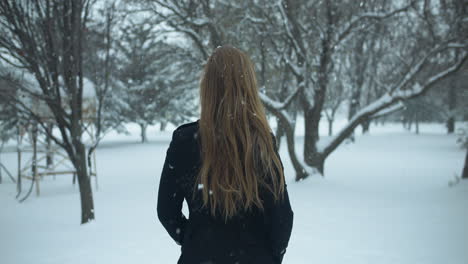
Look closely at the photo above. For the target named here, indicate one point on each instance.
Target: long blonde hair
(237, 148)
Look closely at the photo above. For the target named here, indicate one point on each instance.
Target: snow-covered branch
(299, 49)
(393, 108)
(389, 99)
(255, 20)
(356, 20)
(410, 75)
(457, 45)
(296, 69)
(418, 89)
(280, 105)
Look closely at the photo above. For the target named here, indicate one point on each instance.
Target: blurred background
(368, 101)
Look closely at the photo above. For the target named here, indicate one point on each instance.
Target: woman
(225, 165)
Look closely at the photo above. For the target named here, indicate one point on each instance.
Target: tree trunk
(49, 157)
(465, 168)
(318, 162)
(279, 132)
(409, 125)
(162, 127)
(300, 172)
(35, 177)
(84, 182)
(356, 91)
(416, 122)
(452, 104)
(330, 126)
(366, 126)
(313, 115)
(1, 149)
(288, 130)
(18, 151)
(450, 125)
(381, 121)
(311, 136)
(143, 133)
(312, 156)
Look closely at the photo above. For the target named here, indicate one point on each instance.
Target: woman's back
(227, 168)
(250, 237)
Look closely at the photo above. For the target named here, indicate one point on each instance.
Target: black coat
(251, 237)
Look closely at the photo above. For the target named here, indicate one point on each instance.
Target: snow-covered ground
(385, 199)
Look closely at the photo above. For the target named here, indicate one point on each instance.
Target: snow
(384, 199)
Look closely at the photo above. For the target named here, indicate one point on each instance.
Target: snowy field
(385, 199)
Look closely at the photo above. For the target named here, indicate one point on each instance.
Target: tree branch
(355, 21)
(389, 99)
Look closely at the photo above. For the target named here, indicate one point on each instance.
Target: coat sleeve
(280, 222)
(170, 196)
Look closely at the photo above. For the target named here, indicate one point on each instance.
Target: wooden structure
(39, 156)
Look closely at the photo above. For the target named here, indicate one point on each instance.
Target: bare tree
(335, 97)
(8, 123)
(465, 167)
(152, 75)
(100, 68)
(138, 49)
(45, 39)
(463, 141)
(307, 38)
(333, 28)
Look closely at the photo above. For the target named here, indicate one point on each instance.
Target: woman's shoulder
(187, 125)
(186, 131)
